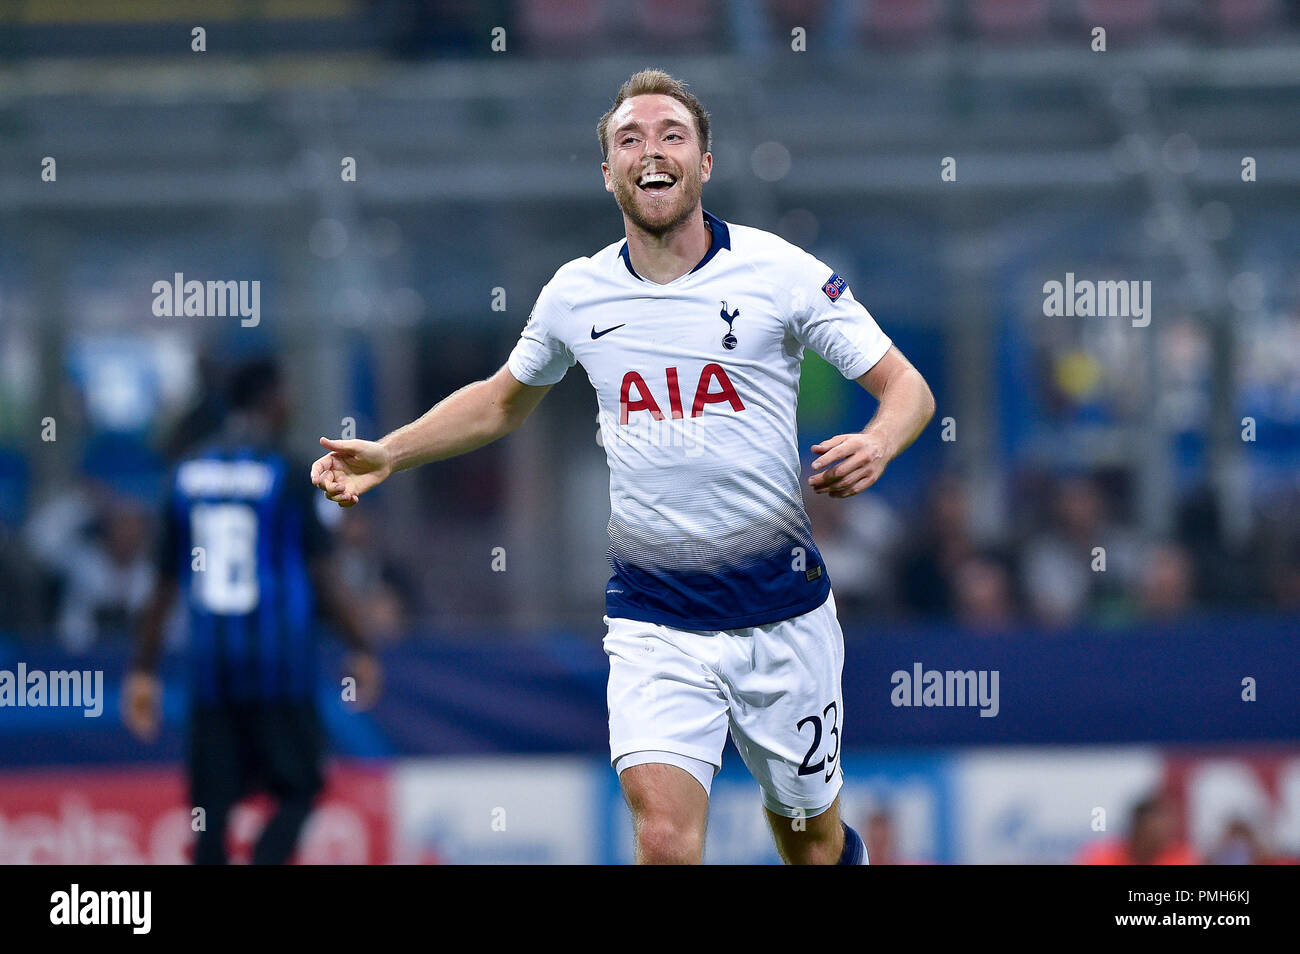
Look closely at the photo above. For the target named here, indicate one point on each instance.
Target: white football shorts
(775, 687)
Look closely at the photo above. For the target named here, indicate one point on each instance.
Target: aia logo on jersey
(635, 394)
(729, 339)
(834, 287)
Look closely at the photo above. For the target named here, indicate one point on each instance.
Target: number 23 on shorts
(830, 715)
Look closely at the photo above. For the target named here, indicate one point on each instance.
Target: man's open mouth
(656, 183)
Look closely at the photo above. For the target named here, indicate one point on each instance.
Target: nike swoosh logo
(596, 334)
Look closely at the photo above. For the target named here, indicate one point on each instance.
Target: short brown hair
(652, 81)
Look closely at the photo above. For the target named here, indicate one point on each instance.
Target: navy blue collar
(721, 239)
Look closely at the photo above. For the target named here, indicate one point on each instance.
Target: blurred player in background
(245, 545)
(720, 611)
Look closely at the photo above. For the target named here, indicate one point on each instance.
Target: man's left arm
(906, 407)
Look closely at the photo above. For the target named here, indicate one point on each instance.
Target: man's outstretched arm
(906, 407)
(465, 420)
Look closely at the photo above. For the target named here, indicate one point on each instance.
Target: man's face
(655, 168)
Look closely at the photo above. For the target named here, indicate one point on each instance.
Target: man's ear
(706, 167)
(604, 171)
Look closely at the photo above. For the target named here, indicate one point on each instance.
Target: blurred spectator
(881, 843)
(59, 521)
(1284, 583)
(25, 611)
(859, 540)
(1241, 845)
(928, 575)
(1058, 577)
(1224, 573)
(95, 549)
(1166, 588)
(982, 594)
(1060, 584)
(880, 832)
(1279, 520)
(109, 578)
(1237, 846)
(1152, 839)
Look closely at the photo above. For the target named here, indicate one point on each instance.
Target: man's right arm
(465, 420)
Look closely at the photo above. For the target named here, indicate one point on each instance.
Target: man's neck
(664, 258)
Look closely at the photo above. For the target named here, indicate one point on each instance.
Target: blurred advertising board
(1039, 806)
(142, 816)
(1012, 805)
(495, 810)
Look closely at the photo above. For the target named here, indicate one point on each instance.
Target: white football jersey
(697, 382)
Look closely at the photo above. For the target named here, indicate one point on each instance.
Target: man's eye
(673, 136)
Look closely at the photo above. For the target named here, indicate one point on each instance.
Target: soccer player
(719, 611)
(242, 539)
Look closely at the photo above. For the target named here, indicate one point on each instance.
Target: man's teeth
(656, 177)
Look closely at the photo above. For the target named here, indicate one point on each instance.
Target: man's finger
(845, 467)
(828, 443)
(851, 475)
(831, 457)
(321, 466)
(347, 448)
(846, 489)
(856, 487)
(830, 451)
(824, 478)
(340, 494)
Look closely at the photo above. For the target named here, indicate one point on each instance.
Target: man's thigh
(787, 709)
(663, 694)
(667, 729)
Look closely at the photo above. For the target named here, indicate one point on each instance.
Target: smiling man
(719, 611)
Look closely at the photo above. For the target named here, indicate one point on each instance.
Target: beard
(654, 216)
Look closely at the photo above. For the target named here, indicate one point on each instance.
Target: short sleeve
(541, 357)
(825, 317)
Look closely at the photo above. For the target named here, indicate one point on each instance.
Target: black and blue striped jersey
(240, 530)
